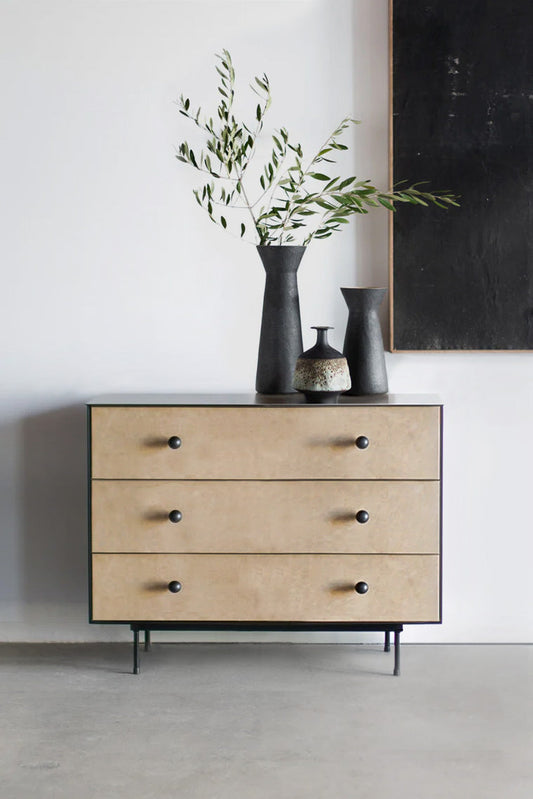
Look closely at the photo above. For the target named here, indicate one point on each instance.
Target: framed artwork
(462, 120)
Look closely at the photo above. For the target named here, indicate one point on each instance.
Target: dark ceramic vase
(322, 372)
(363, 343)
(280, 341)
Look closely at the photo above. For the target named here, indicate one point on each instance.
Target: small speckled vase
(322, 372)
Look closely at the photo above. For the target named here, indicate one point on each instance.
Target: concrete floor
(265, 721)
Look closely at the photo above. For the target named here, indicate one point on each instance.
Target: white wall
(113, 280)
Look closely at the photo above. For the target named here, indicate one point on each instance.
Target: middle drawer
(266, 516)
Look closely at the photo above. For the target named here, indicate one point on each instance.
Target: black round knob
(362, 516)
(361, 587)
(174, 442)
(174, 586)
(362, 442)
(175, 516)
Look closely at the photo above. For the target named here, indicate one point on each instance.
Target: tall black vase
(280, 342)
(363, 343)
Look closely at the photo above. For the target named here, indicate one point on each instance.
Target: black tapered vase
(280, 341)
(363, 343)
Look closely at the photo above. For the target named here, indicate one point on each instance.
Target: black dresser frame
(149, 626)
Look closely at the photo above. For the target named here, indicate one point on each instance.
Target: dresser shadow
(53, 506)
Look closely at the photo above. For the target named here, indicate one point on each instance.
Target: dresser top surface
(260, 400)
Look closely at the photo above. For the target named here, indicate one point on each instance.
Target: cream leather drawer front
(309, 442)
(265, 516)
(266, 588)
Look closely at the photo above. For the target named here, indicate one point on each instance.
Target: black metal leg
(136, 650)
(147, 641)
(396, 653)
(386, 648)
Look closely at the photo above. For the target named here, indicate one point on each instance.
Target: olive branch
(289, 193)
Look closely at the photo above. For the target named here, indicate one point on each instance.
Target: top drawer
(309, 442)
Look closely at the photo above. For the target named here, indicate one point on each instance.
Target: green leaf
(343, 200)
(346, 183)
(232, 143)
(417, 200)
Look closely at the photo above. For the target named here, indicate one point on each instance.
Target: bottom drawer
(285, 588)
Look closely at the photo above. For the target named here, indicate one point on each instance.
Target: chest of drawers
(240, 512)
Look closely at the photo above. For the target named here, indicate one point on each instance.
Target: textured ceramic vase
(280, 341)
(322, 372)
(363, 343)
